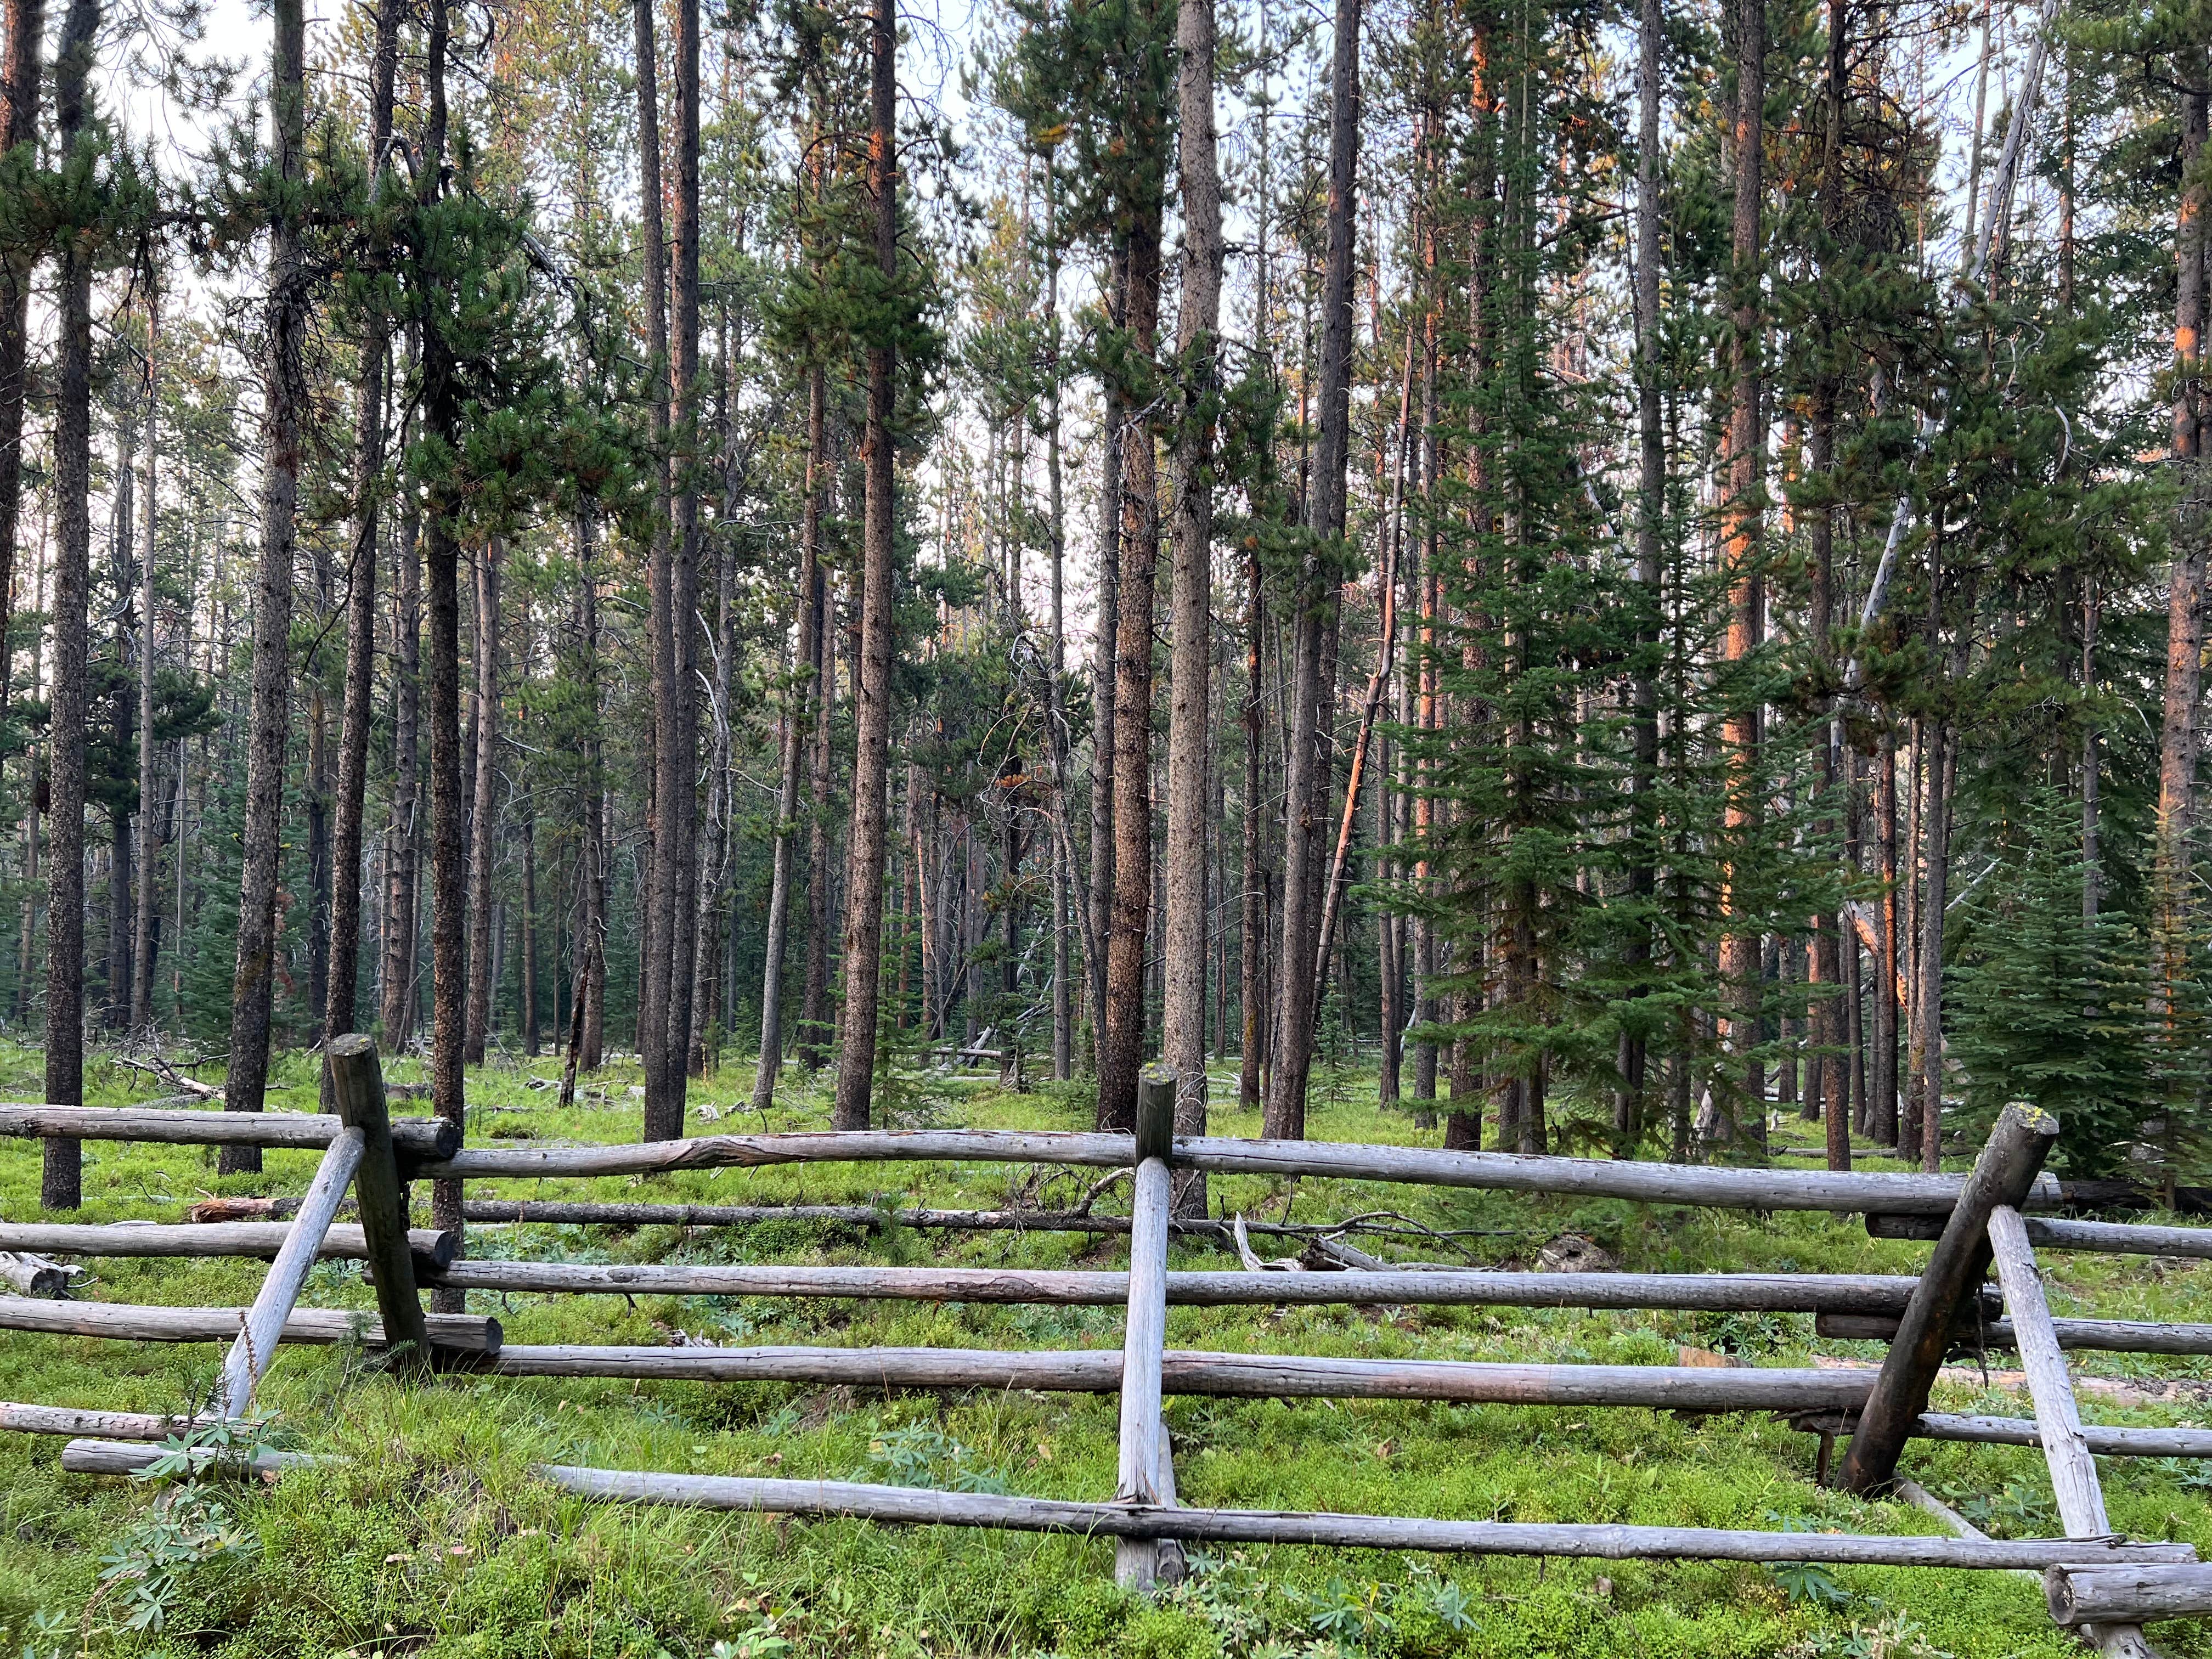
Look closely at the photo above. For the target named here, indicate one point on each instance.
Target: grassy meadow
(427, 1534)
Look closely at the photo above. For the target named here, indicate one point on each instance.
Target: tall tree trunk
(1121, 1053)
(1632, 1059)
(35, 756)
(285, 400)
(1106, 632)
(1252, 903)
(345, 971)
(528, 928)
(680, 818)
(1742, 557)
(403, 832)
(24, 22)
(2185, 630)
(483, 839)
(2092, 873)
(122, 709)
(587, 1010)
(1306, 784)
(1063, 864)
(704, 1043)
(862, 954)
(59, 1187)
(1882, 1117)
(671, 783)
(1942, 769)
(814, 1024)
(443, 583)
(1190, 708)
(796, 727)
(150, 818)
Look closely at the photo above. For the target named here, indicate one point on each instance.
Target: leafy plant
(919, 1456)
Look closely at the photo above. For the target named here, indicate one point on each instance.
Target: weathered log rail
(2118, 1582)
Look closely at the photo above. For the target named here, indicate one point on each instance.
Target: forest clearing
(436, 1529)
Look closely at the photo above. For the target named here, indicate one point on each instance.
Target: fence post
(2003, 1175)
(1138, 1562)
(357, 1090)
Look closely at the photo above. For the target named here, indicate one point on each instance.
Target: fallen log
(2132, 1595)
(34, 1275)
(346, 1241)
(1717, 1185)
(416, 1137)
(2096, 1335)
(117, 1458)
(458, 1332)
(838, 1499)
(2104, 1440)
(104, 1425)
(2056, 1233)
(1098, 1371)
(1713, 1292)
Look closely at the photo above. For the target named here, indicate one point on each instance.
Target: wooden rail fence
(2104, 1585)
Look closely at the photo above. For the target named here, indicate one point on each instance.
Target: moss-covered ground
(429, 1535)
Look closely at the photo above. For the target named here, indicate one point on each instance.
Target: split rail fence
(2102, 1584)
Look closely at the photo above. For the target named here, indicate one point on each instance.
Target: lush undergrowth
(429, 1535)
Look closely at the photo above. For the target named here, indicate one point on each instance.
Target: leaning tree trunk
(253, 984)
(864, 886)
(1190, 723)
(1307, 785)
(345, 970)
(60, 1184)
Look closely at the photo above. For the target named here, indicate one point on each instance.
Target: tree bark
(1306, 784)
(340, 1017)
(285, 393)
(1742, 562)
(864, 885)
(60, 1180)
(1190, 727)
(484, 838)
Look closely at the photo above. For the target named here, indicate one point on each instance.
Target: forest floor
(432, 1537)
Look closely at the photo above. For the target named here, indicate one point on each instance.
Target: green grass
(433, 1538)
